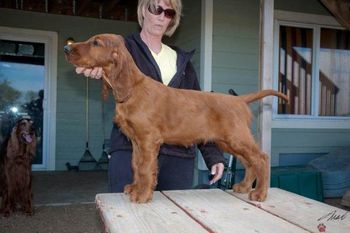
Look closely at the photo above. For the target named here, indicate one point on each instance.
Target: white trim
(266, 72)
(310, 123)
(275, 64)
(206, 44)
(305, 18)
(49, 103)
(313, 121)
(315, 71)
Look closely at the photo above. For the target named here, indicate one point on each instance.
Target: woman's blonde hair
(175, 4)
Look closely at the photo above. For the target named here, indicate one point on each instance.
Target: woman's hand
(217, 171)
(95, 72)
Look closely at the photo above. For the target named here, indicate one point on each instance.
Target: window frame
(315, 23)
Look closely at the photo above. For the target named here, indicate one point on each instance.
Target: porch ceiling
(106, 9)
(340, 9)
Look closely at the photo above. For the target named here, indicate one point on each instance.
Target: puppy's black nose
(67, 49)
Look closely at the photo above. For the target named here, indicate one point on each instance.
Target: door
(27, 86)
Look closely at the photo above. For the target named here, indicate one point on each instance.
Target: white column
(266, 71)
(206, 54)
(206, 44)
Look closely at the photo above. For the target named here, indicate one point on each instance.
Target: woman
(172, 67)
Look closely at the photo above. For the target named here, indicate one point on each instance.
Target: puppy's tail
(261, 94)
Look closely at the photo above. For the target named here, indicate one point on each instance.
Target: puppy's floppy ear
(118, 64)
(121, 81)
(13, 144)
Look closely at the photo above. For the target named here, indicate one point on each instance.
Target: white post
(206, 44)
(266, 71)
(206, 54)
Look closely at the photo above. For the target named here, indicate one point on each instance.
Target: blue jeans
(174, 173)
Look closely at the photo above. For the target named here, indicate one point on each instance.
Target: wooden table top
(214, 210)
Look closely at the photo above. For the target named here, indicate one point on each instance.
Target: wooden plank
(221, 212)
(160, 215)
(304, 212)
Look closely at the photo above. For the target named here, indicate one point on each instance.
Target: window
(312, 66)
(295, 69)
(334, 73)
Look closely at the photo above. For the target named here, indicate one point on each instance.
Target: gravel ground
(63, 202)
(76, 218)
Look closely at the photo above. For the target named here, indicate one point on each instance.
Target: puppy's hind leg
(256, 164)
(263, 172)
(245, 185)
(7, 204)
(234, 146)
(259, 164)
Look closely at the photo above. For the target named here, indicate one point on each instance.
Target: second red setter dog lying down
(16, 155)
(150, 114)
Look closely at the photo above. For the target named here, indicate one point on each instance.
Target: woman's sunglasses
(157, 10)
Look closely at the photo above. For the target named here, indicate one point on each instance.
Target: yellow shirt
(166, 60)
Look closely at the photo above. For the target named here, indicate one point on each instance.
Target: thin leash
(107, 81)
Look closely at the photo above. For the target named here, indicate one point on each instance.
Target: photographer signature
(334, 216)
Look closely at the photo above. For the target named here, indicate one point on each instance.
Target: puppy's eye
(95, 43)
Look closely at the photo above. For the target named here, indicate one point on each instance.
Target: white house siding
(70, 125)
(236, 47)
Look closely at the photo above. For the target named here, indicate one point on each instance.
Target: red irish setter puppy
(150, 114)
(17, 153)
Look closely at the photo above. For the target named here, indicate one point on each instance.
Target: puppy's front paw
(130, 188)
(241, 188)
(133, 191)
(29, 213)
(143, 197)
(256, 195)
(136, 195)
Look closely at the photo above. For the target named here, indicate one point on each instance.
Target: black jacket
(185, 78)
